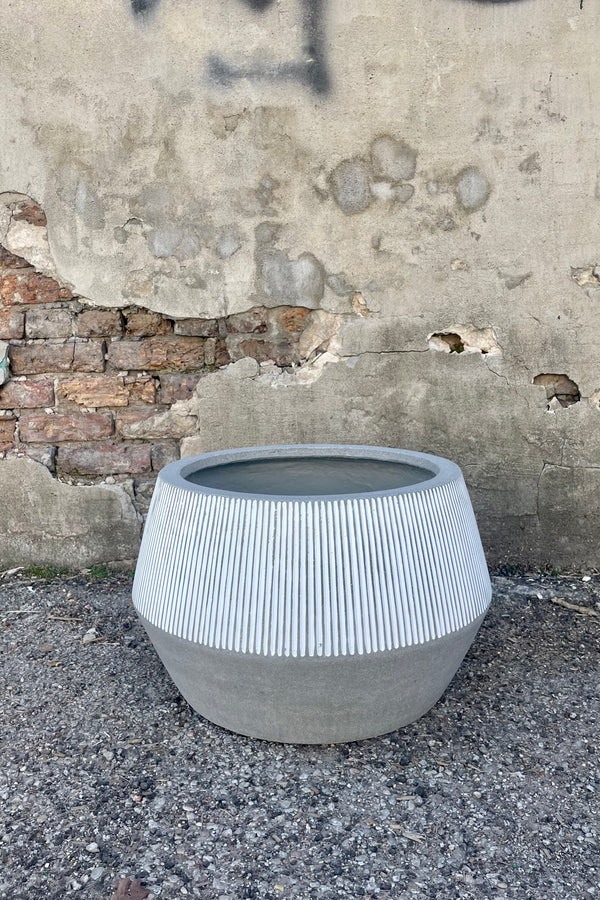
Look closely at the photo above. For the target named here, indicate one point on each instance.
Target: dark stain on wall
(309, 68)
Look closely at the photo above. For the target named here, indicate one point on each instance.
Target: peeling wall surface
(246, 222)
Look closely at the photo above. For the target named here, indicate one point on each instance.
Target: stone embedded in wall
(255, 321)
(44, 455)
(106, 459)
(98, 323)
(181, 354)
(43, 357)
(163, 454)
(175, 423)
(147, 324)
(12, 325)
(105, 390)
(9, 261)
(49, 323)
(7, 429)
(27, 394)
(58, 427)
(176, 387)
(126, 419)
(197, 327)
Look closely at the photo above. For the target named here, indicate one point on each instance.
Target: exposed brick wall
(82, 378)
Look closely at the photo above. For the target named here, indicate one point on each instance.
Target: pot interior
(309, 476)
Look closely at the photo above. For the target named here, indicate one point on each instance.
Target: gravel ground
(106, 773)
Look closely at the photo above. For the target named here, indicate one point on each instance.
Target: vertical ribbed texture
(311, 578)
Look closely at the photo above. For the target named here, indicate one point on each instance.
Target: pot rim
(444, 470)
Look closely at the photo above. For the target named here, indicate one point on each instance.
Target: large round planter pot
(311, 594)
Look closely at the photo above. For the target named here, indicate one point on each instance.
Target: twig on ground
(574, 607)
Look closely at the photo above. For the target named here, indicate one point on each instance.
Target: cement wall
(373, 223)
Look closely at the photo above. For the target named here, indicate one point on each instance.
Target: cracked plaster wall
(444, 184)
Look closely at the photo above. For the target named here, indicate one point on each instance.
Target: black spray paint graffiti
(310, 68)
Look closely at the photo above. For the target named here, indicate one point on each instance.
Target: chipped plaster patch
(465, 339)
(586, 276)
(561, 391)
(24, 232)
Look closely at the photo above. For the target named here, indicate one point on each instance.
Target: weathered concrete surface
(47, 523)
(532, 500)
(424, 170)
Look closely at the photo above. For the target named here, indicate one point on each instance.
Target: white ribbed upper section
(311, 578)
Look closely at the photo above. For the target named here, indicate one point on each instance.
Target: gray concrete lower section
(312, 700)
(44, 522)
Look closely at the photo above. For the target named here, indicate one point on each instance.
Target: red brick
(255, 321)
(42, 454)
(163, 454)
(178, 353)
(31, 288)
(26, 394)
(7, 429)
(12, 325)
(107, 459)
(43, 357)
(131, 417)
(146, 324)
(94, 390)
(98, 323)
(222, 357)
(197, 327)
(210, 351)
(142, 390)
(106, 390)
(39, 428)
(29, 211)
(263, 351)
(48, 323)
(10, 261)
(177, 387)
(293, 318)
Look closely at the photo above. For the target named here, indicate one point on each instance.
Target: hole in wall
(465, 339)
(561, 391)
(449, 341)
